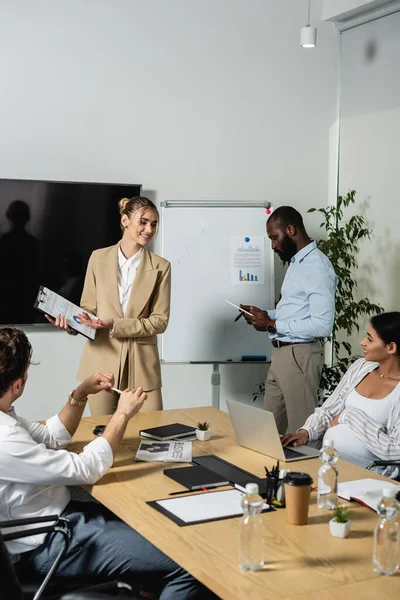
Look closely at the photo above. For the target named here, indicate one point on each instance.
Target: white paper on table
(368, 491)
(204, 507)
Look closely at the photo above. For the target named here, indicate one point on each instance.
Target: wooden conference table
(300, 562)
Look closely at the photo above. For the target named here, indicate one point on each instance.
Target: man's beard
(288, 250)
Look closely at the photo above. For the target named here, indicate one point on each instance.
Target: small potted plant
(340, 524)
(203, 431)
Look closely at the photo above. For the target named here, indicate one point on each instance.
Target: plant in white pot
(203, 431)
(340, 524)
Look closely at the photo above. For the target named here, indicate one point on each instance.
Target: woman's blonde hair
(128, 206)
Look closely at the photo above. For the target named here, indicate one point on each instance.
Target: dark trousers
(104, 546)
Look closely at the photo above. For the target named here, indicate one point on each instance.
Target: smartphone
(99, 429)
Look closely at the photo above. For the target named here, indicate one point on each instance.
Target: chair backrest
(9, 587)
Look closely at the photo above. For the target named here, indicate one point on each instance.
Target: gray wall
(210, 100)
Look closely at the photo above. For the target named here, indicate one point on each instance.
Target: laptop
(256, 429)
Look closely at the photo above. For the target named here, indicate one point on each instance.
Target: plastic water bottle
(251, 533)
(386, 538)
(328, 477)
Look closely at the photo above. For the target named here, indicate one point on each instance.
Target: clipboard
(193, 509)
(53, 304)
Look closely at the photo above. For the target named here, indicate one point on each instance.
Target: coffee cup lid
(298, 479)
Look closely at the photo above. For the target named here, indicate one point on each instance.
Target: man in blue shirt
(304, 314)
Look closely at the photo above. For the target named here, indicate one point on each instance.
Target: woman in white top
(362, 415)
(128, 288)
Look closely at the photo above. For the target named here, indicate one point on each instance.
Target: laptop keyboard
(289, 453)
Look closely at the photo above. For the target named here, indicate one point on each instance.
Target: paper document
(247, 260)
(205, 507)
(52, 304)
(165, 452)
(367, 491)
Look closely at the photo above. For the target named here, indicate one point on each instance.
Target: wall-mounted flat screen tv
(48, 229)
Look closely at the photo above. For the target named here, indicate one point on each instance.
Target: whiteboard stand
(215, 386)
(216, 375)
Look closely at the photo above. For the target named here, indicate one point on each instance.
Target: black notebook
(195, 478)
(176, 431)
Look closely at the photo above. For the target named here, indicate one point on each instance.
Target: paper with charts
(53, 304)
(164, 451)
(247, 260)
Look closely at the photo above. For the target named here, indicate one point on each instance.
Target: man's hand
(260, 319)
(85, 319)
(335, 421)
(95, 383)
(297, 439)
(130, 402)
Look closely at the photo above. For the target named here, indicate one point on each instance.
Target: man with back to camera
(304, 313)
(35, 470)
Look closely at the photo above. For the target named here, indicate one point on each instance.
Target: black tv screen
(48, 230)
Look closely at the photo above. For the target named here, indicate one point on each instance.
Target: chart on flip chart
(217, 253)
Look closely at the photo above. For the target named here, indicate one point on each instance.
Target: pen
(267, 474)
(188, 491)
(238, 317)
(116, 390)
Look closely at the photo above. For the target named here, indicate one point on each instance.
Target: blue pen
(238, 317)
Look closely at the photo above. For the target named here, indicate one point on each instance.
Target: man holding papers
(303, 315)
(36, 470)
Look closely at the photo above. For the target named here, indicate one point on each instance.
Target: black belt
(279, 344)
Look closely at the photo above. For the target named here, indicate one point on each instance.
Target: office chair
(13, 589)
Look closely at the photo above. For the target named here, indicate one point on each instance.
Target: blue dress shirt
(307, 305)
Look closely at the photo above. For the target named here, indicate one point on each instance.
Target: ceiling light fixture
(308, 35)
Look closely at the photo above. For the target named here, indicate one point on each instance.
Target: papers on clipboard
(52, 304)
(200, 508)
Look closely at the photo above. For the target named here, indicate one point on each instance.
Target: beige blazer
(135, 335)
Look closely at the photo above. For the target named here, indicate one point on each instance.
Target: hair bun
(122, 203)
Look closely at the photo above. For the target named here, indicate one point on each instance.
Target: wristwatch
(74, 402)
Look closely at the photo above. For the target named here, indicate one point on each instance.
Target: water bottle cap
(389, 492)
(251, 488)
(328, 443)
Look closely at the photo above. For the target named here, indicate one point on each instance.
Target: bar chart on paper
(217, 253)
(247, 276)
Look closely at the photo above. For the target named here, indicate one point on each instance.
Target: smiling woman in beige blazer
(128, 288)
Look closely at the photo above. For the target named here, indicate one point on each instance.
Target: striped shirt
(382, 441)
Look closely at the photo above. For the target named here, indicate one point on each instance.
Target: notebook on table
(366, 491)
(196, 477)
(175, 431)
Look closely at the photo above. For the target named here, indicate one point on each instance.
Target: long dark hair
(387, 326)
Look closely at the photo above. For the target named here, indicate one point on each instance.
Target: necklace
(389, 376)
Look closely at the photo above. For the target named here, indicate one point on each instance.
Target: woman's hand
(335, 421)
(60, 322)
(85, 319)
(300, 438)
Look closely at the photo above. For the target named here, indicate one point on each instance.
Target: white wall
(369, 151)
(340, 10)
(210, 100)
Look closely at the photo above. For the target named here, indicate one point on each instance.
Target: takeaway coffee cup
(297, 494)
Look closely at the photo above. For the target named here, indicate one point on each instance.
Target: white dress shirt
(126, 276)
(34, 470)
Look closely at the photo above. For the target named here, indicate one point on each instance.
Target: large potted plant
(341, 245)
